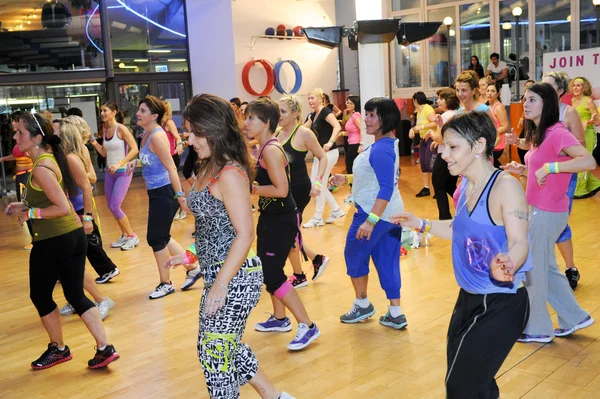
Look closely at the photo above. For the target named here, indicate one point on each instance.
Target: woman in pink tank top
(500, 120)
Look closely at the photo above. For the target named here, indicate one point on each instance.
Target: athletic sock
(427, 187)
(62, 349)
(395, 311)
(312, 325)
(102, 348)
(280, 319)
(363, 303)
(131, 235)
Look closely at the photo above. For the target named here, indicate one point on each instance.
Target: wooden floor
(157, 339)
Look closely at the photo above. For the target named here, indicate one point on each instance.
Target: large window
(48, 36)
(408, 60)
(442, 48)
(148, 36)
(552, 30)
(474, 33)
(399, 5)
(589, 25)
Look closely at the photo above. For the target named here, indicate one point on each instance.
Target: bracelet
(318, 183)
(349, 179)
(425, 226)
(179, 194)
(319, 178)
(373, 218)
(38, 213)
(187, 260)
(86, 218)
(222, 285)
(30, 213)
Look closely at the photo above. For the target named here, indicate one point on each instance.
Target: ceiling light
(140, 60)
(176, 60)
(159, 51)
(506, 26)
(74, 85)
(517, 11)
(448, 21)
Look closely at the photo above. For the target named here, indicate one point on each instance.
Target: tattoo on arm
(519, 214)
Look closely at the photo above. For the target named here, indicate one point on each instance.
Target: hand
(130, 167)
(364, 231)
(360, 148)
(13, 208)
(327, 146)
(417, 128)
(113, 168)
(215, 299)
(179, 148)
(183, 204)
(337, 180)
(427, 135)
(175, 261)
(540, 176)
(23, 217)
(406, 219)
(512, 137)
(88, 227)
(433, 146)
(514, 167)
(502, 268)
(439, 120)
(411, 133)
(315, 190)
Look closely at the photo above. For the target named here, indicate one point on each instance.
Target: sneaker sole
(275, 329)
(360, 318)
(321, 269)
(194, 280)
(313, 226)
(106, 361)
(158, 297)
(100, 281)
(301, 285)
(392, 325)
(298, 347)
(65, 359)
(330, 220)
(129, 249)
(576, 328)
(535, 340)
(66, 314)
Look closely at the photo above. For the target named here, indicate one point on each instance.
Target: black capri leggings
(444, 184)
(58, 258)
(276, 235)
(163, 207)
(351, 155)
(96, 254)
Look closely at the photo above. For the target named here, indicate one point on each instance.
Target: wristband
(556, 167)
(187, 260)
(178, 194)
(38, 213)
(547, 168)
(86, 218)
(30, 213)
(318, 183)
(425, 226)
(92, 140)
(373, 218)
(319, 178)
(349, 179)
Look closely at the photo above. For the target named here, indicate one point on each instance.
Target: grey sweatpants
(546, 283)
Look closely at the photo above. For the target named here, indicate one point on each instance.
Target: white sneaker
(161, 290)
(191, 277)
(313, 222)
(285, 395)
(105, 306)
(119, 243)
(335, 215)
(67, 309)
(131, 243)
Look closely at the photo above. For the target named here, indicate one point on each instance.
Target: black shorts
(163, 207)
(276, 235)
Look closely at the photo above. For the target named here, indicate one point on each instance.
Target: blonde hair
(82, 125)
(317, 92)
(168, 112)
(71, 141)
(294, 103)
(587, 87)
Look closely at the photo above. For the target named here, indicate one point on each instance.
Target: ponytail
(61, 159)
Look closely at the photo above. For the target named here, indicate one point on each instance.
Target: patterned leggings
(227, 363)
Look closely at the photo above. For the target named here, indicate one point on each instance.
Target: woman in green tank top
(59, 243)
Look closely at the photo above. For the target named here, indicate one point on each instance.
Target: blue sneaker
(542, 339)
(304, 337)
(564, 332)
(397, 323)
(272, 324)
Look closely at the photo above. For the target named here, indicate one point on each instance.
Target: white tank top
(562, 109)
(116, 148)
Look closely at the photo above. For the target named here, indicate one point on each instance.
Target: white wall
(345, 14)
(318, 64)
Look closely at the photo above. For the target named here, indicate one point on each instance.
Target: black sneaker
(106, 277)
(51, 357)
(573, 276)
(423, 193)
(319, 265)
(103, 357)
(298, 280)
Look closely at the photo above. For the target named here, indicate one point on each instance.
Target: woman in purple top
(554, 155)
(489, 256)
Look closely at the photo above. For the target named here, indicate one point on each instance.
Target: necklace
(477, 187)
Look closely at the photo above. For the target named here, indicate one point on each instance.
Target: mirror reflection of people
(55, 15)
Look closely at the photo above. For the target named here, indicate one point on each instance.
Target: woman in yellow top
(425, 122)
(59, 243)
(587, 184)
(23, 167)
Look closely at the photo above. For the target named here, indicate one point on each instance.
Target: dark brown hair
(550, 114)
(213, 118)
(155, 106)
(114, 107)
(266, 110)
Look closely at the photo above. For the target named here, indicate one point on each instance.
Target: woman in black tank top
(297, 140)
(278, 227)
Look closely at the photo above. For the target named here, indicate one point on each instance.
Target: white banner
(584, 63)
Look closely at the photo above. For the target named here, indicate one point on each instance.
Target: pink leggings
(115, 188)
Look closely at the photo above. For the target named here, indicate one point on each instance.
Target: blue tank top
(475, 242)
(77, 200)
(154, 172)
